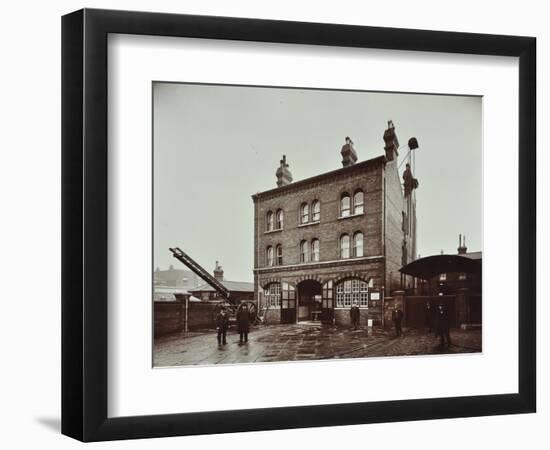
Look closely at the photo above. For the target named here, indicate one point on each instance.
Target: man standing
(243, 322)
(354, 315)
(222, 322)
(442, 325)
(397, 317)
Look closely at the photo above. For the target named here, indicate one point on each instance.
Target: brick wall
(395, 205)
(328, 191)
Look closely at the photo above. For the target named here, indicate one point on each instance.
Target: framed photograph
(272, 224)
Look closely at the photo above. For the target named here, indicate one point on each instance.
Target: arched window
(358, 244)
(358, 203)
(315, 250)
(345, 205)
(316, 211)
(304, 251)
(304, 213)
(280, 218)
(269, 256)
(279, 254)
(269, 221)
(344, 246)
(352, 291)
(272, 293)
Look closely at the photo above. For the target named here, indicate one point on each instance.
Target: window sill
(308, 262)
(349, 307)
(351, 258)
(351, 216)
(307, 224)
(274, 231)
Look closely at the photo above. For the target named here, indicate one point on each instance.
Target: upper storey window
(304, 251)
(304, 213)
(316, 211)
(358, 244)
(280, 219)
(345, 205)
(315, 250)
(269, 221)
(269, 256)
(344, 246)
(358, 202)
(279, 254)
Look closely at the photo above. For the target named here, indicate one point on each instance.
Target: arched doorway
(309, 299)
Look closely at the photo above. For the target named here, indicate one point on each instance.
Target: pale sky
(215, 146)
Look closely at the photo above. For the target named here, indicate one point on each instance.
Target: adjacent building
(338, 238)
(172, 282)
(238, 290)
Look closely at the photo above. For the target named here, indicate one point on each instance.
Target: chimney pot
(283, 174)
(349, 156)
(391, 141)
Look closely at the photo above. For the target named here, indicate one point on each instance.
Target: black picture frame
(84, 224)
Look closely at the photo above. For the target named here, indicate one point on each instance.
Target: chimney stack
(349, 156)
(462, 249)
(392, 144)
(218, 272)
(283, 174)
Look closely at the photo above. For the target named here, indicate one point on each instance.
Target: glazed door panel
(327, 303)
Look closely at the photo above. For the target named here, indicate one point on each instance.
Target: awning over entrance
(430, 266)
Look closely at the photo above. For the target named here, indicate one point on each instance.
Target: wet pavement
(311, 341)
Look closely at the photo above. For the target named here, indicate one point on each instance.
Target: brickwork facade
(326, 242)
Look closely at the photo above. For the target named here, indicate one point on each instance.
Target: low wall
(169, 317)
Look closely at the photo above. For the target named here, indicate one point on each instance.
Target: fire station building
(335, 239)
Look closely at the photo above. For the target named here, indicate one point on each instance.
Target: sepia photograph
(298, 224)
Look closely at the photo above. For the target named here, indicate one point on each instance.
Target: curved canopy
(430, 266)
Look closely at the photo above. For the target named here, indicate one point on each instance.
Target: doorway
(309, 300)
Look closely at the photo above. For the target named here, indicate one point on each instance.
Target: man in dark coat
(354, 315)
(397, 318)
(442, 325)
(222, 323)
(243, 322)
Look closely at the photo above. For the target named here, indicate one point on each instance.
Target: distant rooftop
(236, 286)
(472, 255)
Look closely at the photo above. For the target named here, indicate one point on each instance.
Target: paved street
(304, 342)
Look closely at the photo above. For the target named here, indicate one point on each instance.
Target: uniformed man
(397, 318)
(243, 322)
(354, 315)
(222, 323)
(442, 325)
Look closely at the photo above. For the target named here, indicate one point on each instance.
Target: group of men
(355, 314)
(243, 324)
(437, 321)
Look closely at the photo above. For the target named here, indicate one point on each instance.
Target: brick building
(326, 242)
(171, 282)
